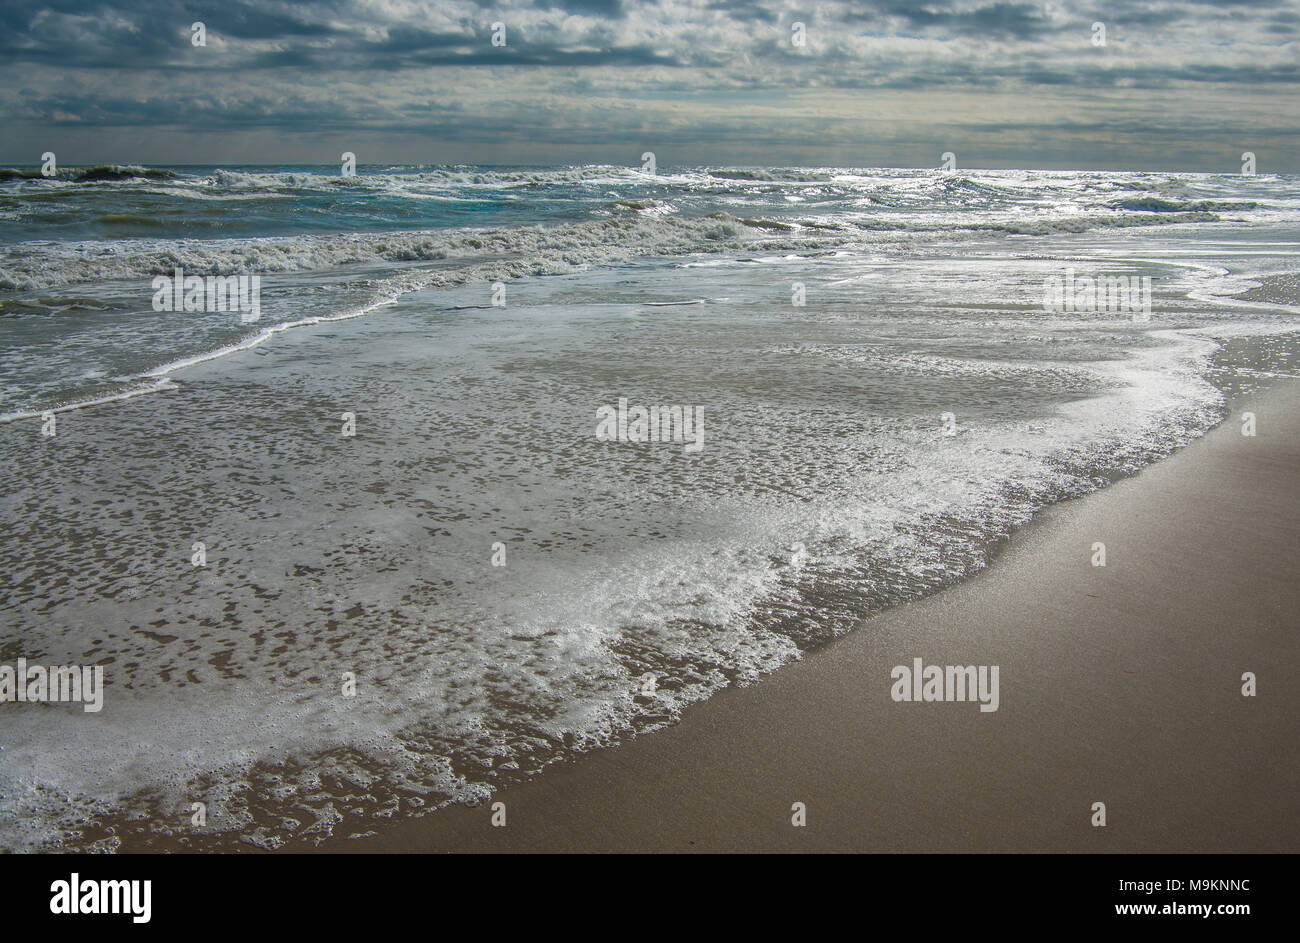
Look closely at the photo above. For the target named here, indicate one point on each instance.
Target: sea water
(468, 582)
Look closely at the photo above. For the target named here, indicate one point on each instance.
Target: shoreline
(432, 832)
(1119, 684)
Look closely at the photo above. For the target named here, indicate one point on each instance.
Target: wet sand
(1119, 684)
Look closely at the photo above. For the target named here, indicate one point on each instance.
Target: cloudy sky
(1179, 84)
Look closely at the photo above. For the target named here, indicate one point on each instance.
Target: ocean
(424, 570)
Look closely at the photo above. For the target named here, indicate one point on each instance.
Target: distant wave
(98, 174)
(1151, 204)
(115, 172)
(514, 252)
(770, 175)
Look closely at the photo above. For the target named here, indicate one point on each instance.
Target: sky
(1177, 84)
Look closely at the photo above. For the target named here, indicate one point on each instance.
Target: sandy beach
(1119, 684)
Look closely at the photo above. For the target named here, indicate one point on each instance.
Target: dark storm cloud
(1021, 20)
(153, 34)
(609, 8)
(752, 10)
(572, 70)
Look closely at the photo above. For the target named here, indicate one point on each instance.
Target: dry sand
(1119, 685)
